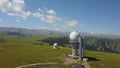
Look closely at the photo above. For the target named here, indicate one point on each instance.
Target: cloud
(16, 5)
(14, 8)
(17, 9)
(40, 10)
(47, 18)
(52, 19)
(72, 23)
(51, 11)
(11, 14)
(3, 6)
(39, 15)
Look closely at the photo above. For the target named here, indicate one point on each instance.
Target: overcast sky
(96, 16)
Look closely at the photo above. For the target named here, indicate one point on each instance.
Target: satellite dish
(74, 36)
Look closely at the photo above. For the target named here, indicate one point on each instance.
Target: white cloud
(51, 11)
(24, 15)
(46, 15)
(39, 9)
(12, 5)
(72, 23)
(52, 19)
(3, 5)
(16, 8)
(47, 18)
(39, 15)
(11, 14)
(17, 5)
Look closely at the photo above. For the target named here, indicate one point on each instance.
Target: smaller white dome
(55, 44)
(74, 36)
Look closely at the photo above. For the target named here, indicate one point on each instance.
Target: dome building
(55, 45)
(76, 43)
(74, 36)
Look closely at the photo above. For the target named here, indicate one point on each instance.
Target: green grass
(105, 60)
(17, 55)
(17, 51)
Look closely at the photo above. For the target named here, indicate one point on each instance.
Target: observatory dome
(55, 44)
(74, 36)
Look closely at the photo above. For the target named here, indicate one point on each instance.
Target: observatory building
(76, 41)
(55, 45)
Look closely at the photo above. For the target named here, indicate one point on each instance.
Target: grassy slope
(105, 60)
(20, 51)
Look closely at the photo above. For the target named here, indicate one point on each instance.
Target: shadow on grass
(91, 58)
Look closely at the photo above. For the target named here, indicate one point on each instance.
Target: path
(23, 66)
(71, 61)
(67, 61)
(86, 64)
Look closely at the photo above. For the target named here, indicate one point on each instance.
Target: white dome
(74, 36)
(55, 44)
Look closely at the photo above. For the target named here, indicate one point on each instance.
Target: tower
(77, 43)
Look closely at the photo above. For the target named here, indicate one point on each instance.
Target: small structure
(77, 43)
(85, 59)
(55, 45)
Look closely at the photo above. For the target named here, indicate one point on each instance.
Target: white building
(55, 45)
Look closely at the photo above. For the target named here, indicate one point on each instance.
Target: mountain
(45, 32)
(105, 35)
(30, 32)
(100, 42)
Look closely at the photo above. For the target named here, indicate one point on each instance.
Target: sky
(93, 16)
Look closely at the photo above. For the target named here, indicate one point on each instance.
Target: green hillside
(16, 51)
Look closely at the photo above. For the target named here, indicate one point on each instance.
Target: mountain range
(93, 41)
(45, 32)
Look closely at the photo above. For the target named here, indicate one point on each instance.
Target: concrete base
(71, 56)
